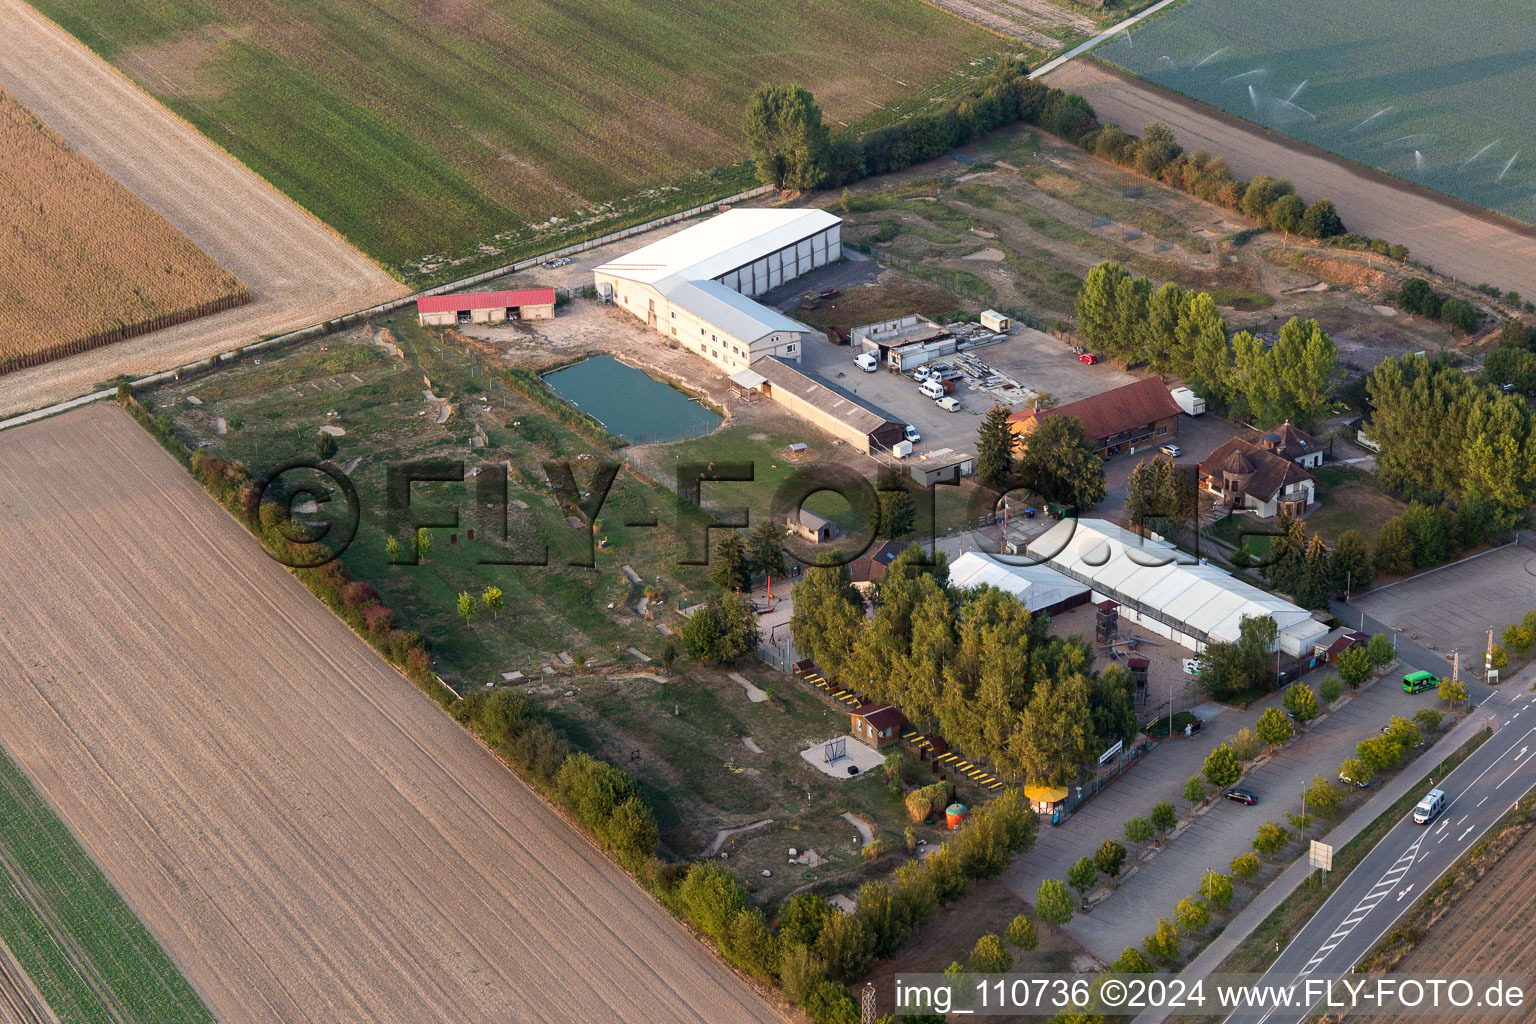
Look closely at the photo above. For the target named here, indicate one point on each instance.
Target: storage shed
(485, 307)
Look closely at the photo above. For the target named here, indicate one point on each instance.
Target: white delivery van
(867, 362)
(949, 404)
(931, 389)
(1432, 804)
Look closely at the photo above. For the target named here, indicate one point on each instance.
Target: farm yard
(88, 262)
(310, 837)
(298, 271)
(1434, 94)
(423, 140)
(566, 633)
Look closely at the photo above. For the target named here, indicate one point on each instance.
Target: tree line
(1183, 334)
(1459, 445)
(1418, 297)
(793, 148)
(975, 665)
(1270, 201)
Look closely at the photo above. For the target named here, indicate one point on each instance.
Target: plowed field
(306, 835)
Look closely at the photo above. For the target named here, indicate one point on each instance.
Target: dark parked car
(1241, 796)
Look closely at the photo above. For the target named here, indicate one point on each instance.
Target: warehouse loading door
(463, 316)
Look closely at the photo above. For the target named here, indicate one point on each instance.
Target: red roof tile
(1122, 408)
(485, 300)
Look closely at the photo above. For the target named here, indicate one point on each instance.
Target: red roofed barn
(485, 307)
(1133, 415)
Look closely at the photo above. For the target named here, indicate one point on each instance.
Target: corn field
(86, 261)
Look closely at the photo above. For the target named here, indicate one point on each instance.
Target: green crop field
(89, 956)
(1435, 93)
(442, 136)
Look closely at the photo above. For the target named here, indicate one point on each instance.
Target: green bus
(1418, 682)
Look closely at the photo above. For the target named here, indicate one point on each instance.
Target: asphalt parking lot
(1043, 364)
(899, 397)
(1455, 606)
(1037, 361)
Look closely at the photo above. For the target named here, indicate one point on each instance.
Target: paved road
(1082, 48)
(1213, 835)
(1411, 857)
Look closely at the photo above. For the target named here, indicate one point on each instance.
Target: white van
(949, 404)
(867, 362)
(1432, 804)
(931, 389)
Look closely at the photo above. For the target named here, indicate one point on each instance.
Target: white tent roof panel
(1038, 586)
(1160, 577)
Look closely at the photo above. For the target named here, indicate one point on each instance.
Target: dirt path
(298, 270)
(308, 836)
(1437, 232)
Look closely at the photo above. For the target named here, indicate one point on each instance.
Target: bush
(1053, 903)
(1246, 866)
(1271, 838)
(1330, 688)
(378, 619)
(989, 956)
(845, 947)
(1022, 933)
(921, 803)
(710, 897)
(356, 594)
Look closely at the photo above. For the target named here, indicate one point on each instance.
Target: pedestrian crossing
(1380, 891)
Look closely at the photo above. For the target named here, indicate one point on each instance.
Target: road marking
(1463, 818)
(1481, 802)
(1405, 892)
(1466, 833)
(1444, 824)
(1443, 838)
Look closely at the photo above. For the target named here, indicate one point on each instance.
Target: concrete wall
(696, 334)
(819, 417)
(488, 315)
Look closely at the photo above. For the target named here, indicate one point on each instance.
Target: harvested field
(90, 262)
(305, 833)
(1486, 929)
(1452, 237)
(422, 131)
(298, 271)
(1040, 23)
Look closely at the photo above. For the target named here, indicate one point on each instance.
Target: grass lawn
(1350, 500)
(70, 930)
(1250, 530)
(422, 132)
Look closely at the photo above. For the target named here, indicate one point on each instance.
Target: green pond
(630, 403)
